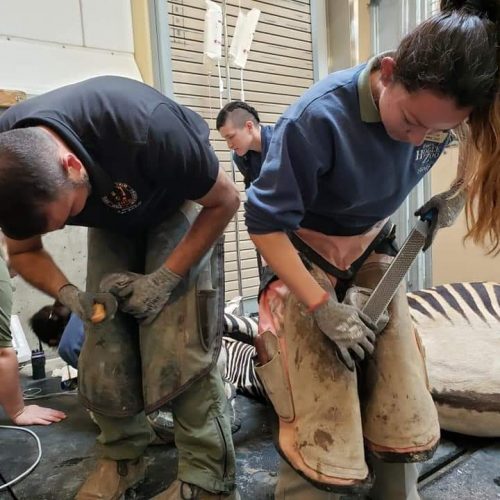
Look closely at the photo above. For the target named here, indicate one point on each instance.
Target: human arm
(281, 256)
(11, 398)
(179, 154)
(443, 209)
(144, 296)
(346, 326)
(278, 200)
(35, 265)
(10, 388)
(219, 206)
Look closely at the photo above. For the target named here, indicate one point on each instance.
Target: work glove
(357, 296)
(83, 303)
(442, 210)
(142, 295)
(351, 331)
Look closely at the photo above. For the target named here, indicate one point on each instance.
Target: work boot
(179, 490)
(292, 486)
(111, 479)
(394, 481)
(400, 422)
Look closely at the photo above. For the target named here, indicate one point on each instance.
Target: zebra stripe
(433, 300)
(457, 303)
(241, 328)
(240, 369)
(483, 294)
(468, 298)
(482, 302)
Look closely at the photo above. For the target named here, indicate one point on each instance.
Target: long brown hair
(479, 138)
(480, 161)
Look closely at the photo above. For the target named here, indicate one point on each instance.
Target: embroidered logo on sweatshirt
(427, 154)
(123, 198)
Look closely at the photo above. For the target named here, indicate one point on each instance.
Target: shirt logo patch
(438, 137)
(426, 155)
(123, 198)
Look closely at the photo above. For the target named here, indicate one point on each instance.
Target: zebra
(445, 316)
(455, 303)
(459, 307)
(458, 326)
(239, 353)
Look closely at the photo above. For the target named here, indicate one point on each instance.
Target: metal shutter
(279, 69)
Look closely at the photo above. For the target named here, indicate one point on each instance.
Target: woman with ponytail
(481, 176)
(342, 159)
(478, 177)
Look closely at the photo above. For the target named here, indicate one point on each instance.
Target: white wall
(47, 44)
(68, 248)
(452, 260)
(50, 43)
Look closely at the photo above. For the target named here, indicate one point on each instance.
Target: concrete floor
(462, 469)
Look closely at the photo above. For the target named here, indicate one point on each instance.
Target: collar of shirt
(100, 181)
(367, 106)
(266, 132)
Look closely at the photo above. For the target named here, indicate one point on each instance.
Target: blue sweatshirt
(251, 163)
(331, 166)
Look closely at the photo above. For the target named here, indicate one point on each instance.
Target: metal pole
(160, 45)
(241, 307)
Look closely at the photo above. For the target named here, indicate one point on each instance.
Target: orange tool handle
(98, 313)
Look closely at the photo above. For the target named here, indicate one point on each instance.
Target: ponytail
(481, 163)
(482, 8)
(479, 139)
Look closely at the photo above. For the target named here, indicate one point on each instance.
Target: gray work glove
(348, 328)
(142, 295)
(82, 303)
(442, 210)
(357, 296)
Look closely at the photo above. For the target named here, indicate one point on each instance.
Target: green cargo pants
(126, 368)
(202, 435)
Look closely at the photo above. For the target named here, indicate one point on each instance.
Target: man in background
(239, 125)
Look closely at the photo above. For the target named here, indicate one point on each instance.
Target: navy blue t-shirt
(331, 166)
(250, 163)
(144, 153)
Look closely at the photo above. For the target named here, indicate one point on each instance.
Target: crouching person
(118, 157)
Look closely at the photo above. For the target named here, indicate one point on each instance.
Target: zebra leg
(400, 422)
(240, 369)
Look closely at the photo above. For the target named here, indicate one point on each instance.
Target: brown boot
(179, 490)
(111, 478)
